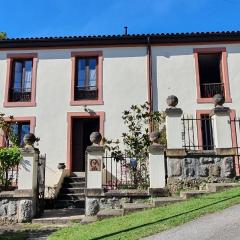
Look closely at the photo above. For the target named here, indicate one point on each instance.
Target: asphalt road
(224, 225)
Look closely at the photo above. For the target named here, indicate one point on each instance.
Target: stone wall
(200, 167)
(16, 206)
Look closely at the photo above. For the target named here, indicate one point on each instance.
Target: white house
(64, 88)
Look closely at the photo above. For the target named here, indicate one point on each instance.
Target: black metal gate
(40, 184)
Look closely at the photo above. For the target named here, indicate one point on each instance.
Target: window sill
(86, 102)
(210, 100)
(19, 104)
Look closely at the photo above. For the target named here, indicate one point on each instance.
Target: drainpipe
(149, 77)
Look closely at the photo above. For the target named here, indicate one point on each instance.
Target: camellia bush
(10, 154)
(139, 121)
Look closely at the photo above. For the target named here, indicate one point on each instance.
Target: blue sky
(32, 18)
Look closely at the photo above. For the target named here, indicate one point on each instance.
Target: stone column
(220, 122)
(94, 165)
(173, 123)
(28, 174)
(157, 168)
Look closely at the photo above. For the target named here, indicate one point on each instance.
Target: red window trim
(199, 133)
(70, 116)
(31, 120)
(99, 55)
(10, 58)
(225, 79)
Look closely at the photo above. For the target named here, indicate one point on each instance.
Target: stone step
(108, 213)
(133, 207)
(71, 190)
(156, 202)
(69, 204)
(89, 219)
(71, 196)
(74, 179)
(216, 187)
(60, 216)
(191, 194)
(74, 185)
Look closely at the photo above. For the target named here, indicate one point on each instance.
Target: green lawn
(148, 222)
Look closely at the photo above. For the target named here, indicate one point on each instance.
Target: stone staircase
(71, 197)
(71, 194)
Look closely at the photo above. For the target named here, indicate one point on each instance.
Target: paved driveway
(224, 225)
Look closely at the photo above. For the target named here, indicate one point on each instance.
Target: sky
(33, 18)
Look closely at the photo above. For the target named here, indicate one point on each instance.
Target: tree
(3, 35)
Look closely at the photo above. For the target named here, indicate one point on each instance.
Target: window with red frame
(86, 78)
(21, 80)
(210, 74)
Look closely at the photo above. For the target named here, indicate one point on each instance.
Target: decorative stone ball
(218, 100)
(95, 138)
(29, 139)
(154, 136)
(172, 101)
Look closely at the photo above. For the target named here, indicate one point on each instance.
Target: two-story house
(64, 88)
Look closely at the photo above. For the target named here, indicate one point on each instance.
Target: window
(20, 129)
(206, 132)
(20, 87)
(86, 87)
(21, 81)
(211, 73)
(86, 79)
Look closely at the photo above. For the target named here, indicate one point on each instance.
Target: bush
(9, 158)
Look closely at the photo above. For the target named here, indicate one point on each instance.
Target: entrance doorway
(81, 129)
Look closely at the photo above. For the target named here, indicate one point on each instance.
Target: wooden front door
(81, 130)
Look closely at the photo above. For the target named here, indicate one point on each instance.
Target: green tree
(3, 35)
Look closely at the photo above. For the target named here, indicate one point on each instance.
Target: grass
(148, 222)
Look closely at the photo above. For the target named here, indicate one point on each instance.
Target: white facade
(125, 82)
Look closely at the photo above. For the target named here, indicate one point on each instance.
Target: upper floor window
(211, 73)
(86, 79)
(21, 81)
(20, 87)
(86, 86)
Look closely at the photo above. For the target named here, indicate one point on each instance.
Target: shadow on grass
(165, 219)
(27, 234)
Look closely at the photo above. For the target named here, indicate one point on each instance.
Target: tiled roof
(121, 39)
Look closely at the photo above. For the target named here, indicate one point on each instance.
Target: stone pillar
(94, 165)
(28, 174)
(220, 122)
(173, 124)
(157, 168)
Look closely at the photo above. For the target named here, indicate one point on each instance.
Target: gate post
(157, 168)
(173, 123)
(221, 127)
(94, 165)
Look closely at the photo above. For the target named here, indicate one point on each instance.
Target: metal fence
(9, 179)
(197, 133)
(124, 172)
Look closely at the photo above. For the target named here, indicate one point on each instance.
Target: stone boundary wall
(16, 206)
(200, 166)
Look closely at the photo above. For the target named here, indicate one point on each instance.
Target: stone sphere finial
(29, 140)
(95, 138)
(218, 100)
(172, 101)
(154, 137)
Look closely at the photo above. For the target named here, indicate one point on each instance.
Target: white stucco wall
(124, 84)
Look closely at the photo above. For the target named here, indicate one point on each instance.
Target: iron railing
(9, 179)
(20, 95)
(89, 92)
(124, 173)
(208, 90)
(197, 133)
